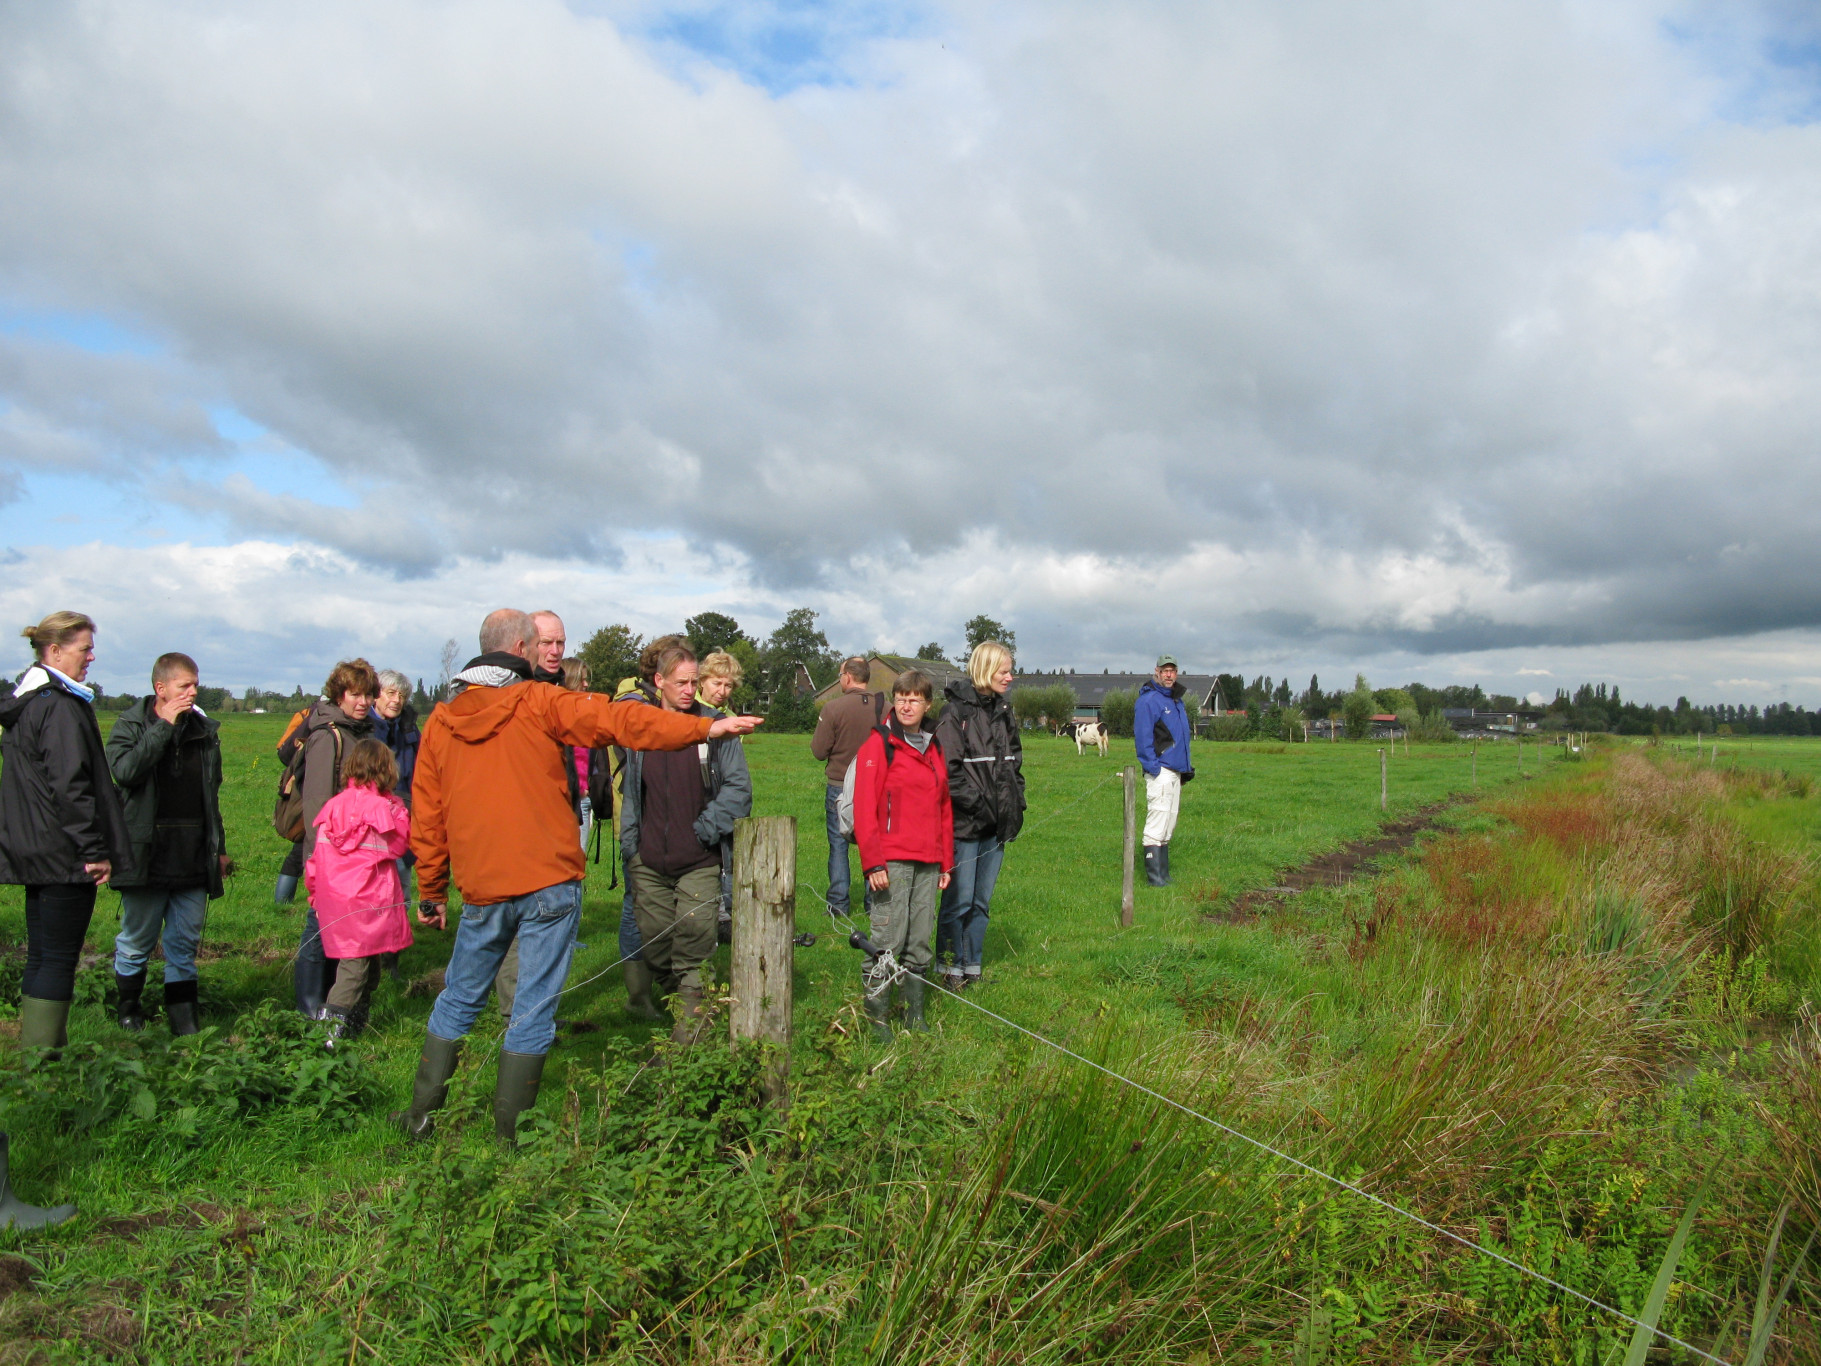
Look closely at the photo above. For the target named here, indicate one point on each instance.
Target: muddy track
(1336, 867)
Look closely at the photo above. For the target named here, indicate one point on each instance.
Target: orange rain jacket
(490, 794)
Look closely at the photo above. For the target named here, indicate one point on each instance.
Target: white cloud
(1285, 333)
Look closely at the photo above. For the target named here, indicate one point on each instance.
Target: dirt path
(1336, 867)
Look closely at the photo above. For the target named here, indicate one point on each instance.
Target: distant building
(1489, 725)
(1091, 689)
(883, 671)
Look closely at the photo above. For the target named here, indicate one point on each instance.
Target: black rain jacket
(137, 745)
(58, 806)
(979, 736)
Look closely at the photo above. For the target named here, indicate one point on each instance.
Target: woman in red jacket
(906, 833)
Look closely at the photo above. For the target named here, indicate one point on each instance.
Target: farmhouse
(1091, 689)
(883, 671)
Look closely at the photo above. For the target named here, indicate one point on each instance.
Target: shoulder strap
(335, 730)
(878, 708)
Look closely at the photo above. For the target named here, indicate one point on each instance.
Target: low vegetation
(1573, 1019)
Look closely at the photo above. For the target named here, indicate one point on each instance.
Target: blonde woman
(721, 674)
(63, 833)
(979, 739)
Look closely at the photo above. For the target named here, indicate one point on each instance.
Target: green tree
(1358, 709)
(612, 653)
(1116, 712)
(1052, 705)
(1395, 700)
(932, 651)
(746, 696)
(711, 631)
(982, 628)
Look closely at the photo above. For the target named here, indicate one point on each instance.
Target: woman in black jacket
(62, 831)
(979, 738)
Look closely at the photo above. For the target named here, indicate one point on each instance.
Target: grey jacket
(729, 793)
(134, 748)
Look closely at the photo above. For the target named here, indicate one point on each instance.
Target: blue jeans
(144, 911)
(545, 923)
(961, 927)
(839, 878)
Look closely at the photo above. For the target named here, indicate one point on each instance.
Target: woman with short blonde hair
(63, 832)
(979, 738)
(718, 676)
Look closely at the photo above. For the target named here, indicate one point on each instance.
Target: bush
(1116, 712)
(137, 1090)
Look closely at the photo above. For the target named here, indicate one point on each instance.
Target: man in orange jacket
(489, 802)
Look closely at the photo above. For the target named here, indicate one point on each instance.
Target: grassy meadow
(1578, 1006)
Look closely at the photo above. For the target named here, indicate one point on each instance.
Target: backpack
(288, 809)
(844, 804)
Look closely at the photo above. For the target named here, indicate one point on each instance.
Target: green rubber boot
(690, 1016)
(878, 1011)
(430, 1088)
(516, 1091)
(913, 1004)
(14, 1212)
(43, 1024)
(638, 991)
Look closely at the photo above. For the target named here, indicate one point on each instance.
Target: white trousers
(1162, 800)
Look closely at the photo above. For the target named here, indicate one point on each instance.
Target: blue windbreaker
(1156, 704)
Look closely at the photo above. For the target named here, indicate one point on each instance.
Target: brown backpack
(288, 809)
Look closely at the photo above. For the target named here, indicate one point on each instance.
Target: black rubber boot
(913, 1004)
(516, 1091)
(1153, 865)
(430, 1088)
(14, 1212)
(878, 1011)
(128, 1012)
(180, 1008)
(638, 991)
(284, 891)
(43, 1024)
(1164, 849)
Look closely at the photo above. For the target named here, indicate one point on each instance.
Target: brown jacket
(489, 795)
(844, 725)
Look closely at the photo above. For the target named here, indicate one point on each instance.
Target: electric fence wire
(900, 972)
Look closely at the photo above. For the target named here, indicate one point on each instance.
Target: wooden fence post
(1382, 786)
(764, 922)
(1131, 837)
(1476, 763)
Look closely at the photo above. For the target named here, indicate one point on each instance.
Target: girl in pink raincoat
(352, 877)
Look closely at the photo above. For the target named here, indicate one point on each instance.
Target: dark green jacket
(134, 748)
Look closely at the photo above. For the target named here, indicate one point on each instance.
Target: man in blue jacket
(1160, 730)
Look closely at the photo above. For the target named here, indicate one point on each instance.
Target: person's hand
(431, 913)
(169, 709)
(101, 872)
(227, 866)
(942, 882)
(878, 879)
(734, 725)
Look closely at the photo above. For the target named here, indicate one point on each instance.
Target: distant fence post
(1382, 783)
(1476, 763)
(1131, 838)
(764, 922)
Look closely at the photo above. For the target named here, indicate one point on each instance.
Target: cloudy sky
(1452, 342)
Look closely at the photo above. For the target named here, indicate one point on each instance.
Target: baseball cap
(1167, 660)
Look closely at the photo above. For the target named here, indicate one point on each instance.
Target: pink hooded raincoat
(352, 875)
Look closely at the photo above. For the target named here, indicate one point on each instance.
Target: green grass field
(302, 1230)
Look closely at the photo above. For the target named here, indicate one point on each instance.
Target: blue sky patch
(784, 45)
